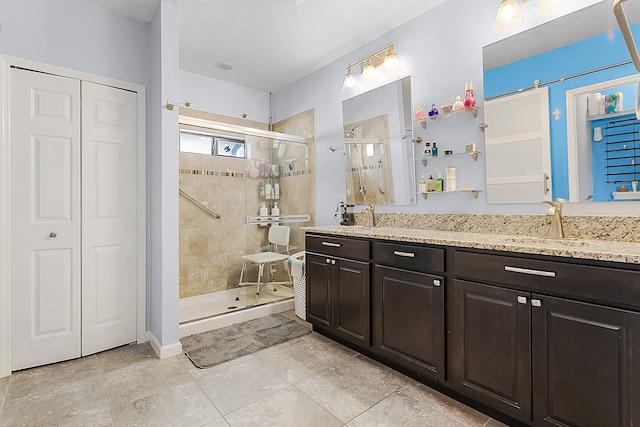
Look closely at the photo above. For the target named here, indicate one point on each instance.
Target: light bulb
(350, 84)
(369, 74)
(508, 18)
(391, 66)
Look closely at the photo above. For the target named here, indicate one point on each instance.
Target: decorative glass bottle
(420, 114)
(433, 113)
(469, 100)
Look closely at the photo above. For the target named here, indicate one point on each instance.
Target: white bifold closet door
(74, 218)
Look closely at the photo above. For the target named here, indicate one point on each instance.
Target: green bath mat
(210, 348)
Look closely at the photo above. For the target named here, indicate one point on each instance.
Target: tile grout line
(104, 390)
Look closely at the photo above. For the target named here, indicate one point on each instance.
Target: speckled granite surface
(504, 236)
(614, 228)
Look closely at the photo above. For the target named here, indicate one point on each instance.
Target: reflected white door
(518, 150)
(109, 217)
(45, 218)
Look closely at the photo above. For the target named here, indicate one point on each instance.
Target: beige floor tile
(74, 402)
(288, 407)
(495, 423)
(452, 408)
(181, 405)
(23, 383)
(140, 380)
(4, 382)
(305, 357)
(400, 409)
(353, 386)
(125, 356)
(233, 386)
(217, 423)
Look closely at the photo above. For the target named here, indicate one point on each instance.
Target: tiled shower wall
(210, 248)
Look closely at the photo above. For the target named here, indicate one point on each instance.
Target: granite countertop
(601, 250)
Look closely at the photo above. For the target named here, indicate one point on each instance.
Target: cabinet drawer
(338, 246)
(410, 257)
(599, 284)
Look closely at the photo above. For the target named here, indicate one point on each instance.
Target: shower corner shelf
(281, 219)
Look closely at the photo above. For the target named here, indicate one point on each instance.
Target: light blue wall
(441, 50)
(558, 63)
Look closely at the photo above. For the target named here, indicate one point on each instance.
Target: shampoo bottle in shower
(275, 211)
(264, 212)
(276, 191)
(268, 190)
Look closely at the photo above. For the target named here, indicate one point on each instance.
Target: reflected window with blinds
(212, 145)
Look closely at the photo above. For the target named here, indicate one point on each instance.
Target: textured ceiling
(272, 43)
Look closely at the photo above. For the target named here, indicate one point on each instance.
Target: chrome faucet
(555, 210)
(370, 211)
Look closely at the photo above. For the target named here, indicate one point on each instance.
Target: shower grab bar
(199, 203)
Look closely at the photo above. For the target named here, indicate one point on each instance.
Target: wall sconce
(385, 59)
(509, 16)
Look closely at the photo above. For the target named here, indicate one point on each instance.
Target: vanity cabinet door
(318, 282)
(351, 301)
(409, 320)
(490, 351)
(338, 298)
(586, 364)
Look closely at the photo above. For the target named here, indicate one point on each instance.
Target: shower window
(211, 145)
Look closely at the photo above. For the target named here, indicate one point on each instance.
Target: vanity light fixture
(509, 16)
(385, 59)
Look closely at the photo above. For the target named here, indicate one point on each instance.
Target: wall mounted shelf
(472, 154)
(474, 192)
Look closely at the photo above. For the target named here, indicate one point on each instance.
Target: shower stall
(233, 181)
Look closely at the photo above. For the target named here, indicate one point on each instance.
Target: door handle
(53, 235)
(333, 245)
(404, 254)
(529, 271)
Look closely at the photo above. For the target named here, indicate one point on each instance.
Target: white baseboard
(164, 351)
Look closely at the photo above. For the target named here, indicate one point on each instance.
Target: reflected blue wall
(565, 61)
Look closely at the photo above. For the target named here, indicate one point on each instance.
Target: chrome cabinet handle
(436, 282)
(529, 271)
(522, 300)
(333, 245)
(536, 303)
(404, 254)
(53, 235)
(328, 261)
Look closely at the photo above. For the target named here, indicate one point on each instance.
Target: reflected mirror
(377, 143)
(575, 56)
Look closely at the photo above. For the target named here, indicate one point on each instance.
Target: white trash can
(298, 273)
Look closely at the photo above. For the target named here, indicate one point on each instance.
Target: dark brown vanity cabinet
(338, 287)
(409, 307)
(546, 359)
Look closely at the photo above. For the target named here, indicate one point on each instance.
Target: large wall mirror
(379, 162)
(574, 58)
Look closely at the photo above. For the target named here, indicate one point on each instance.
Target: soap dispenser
(264, 213)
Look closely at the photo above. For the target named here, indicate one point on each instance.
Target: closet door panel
(109, 209)
(45, 218)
